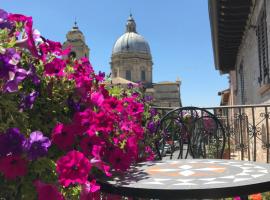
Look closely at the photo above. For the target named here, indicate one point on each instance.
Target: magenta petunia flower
(13, 166)
(89, 142)
(82, 121)
(49, 48)
(18, 18)
(100, 76)
(97, 98)
(90, 190)
(31, 45)
(101, 166)
(103, 122)
(73, 168)
(55, 67)
(132, 146)
(119, 160)
(47, 191)
(63, 136)
(112, 104)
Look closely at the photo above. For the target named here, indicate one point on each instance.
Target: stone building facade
(249, 73)
(76, 40)
(131, 61)
(240, 36)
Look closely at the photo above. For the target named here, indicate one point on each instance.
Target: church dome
(131, 41)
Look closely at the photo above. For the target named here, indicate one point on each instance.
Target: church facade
(131, 62)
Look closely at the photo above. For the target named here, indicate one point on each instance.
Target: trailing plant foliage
(61, 124)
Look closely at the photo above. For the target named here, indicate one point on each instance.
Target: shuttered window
(128, 75)
(263, 48)
(242, 84)
(143, 75)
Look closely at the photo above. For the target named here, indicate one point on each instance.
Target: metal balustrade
(247, 130)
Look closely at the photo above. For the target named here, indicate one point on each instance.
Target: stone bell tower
(76, 40)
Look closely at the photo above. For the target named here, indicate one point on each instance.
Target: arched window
(143, 75)
(72, 54)
(128, 75)
(114, 73)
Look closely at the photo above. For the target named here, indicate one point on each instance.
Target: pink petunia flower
(82, 121)
(13, 166)
(97, 98)
(89, 142)
(101, 166)
(30, 37)
(112, 104)
(47, 191)
(63, 136)
(90, 190)
(73, 168)
(18, 18)
(119, 160)
(55, 67)
(132, 146)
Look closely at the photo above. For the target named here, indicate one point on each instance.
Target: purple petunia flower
(148, 98)
(153, 112)
(151, 126)
(27, 101)
(14, 79)
(37, 145)
(3, 20)
(11, 142)
(75, 106)
(9, 71)
(33, 75)
(130, 86)
(8, 61)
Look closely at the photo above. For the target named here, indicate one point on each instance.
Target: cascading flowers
(65, 125)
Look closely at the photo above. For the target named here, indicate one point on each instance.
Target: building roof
(131, 41)
(225, 95)
(119, 80)
(167, 83)
(228, 19)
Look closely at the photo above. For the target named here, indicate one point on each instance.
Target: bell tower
(76, 40)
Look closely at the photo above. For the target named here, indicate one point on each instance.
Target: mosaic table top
(184, 177)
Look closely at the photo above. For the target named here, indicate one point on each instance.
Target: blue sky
(178, 33)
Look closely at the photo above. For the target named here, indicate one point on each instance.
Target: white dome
(131, 42)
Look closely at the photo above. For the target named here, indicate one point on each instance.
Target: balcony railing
(247, 129)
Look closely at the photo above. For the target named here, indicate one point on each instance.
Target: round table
(196, 178)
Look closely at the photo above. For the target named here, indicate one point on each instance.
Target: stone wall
(254, 93)
(167, 94)
(135, 63)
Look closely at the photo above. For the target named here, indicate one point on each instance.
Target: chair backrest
(190, 132)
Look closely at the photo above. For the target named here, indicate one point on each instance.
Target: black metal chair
(190, 132)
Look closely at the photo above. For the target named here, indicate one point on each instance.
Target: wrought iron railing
(247, 129)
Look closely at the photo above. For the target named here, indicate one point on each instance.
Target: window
(128, 75)
(143, 75)
(72, 55)
(114, 73)
(242, 84)
(263, 48)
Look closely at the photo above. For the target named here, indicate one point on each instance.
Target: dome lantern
(131, 41)
(131, 25)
